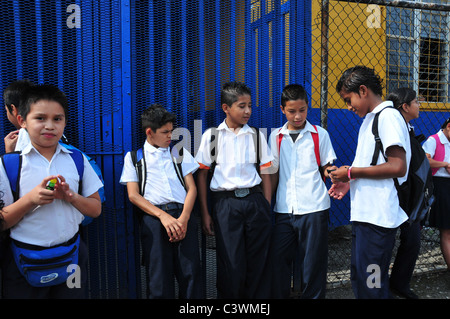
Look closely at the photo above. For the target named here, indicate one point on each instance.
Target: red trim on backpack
(315, 137)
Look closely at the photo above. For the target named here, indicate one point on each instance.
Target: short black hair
(293, 92)
(41, 92)
(231, 91)
(156, 116)
(14, 93)
(400, 96)
(356, 76)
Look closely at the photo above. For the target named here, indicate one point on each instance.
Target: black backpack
(415, 195)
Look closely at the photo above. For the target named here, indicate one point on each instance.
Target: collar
(308, 127)
(245, 129)
(29, 147)
(151, 149)
(442, 137)
(381, 106)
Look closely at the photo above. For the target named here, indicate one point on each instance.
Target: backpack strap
(378, 143)
(12, 162)
(315, 138)
(138, 159)
(258, 156)
(137, 156)
(439, 154)
(214, 150)
(77, 157)
(178, 168)
(213, 147)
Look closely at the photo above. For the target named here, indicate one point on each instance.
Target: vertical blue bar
(18, 40)
(151, 41)
(218, 113)
(233, 37)
(40, 52)
(126, 135)
(202, 64)
(184, 67)
(168, 59)
(59, 45)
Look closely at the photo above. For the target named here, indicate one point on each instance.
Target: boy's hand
(63, 191)
(207, 225)
(173, 226)
(40, 195)
(338, 190)
(11, 141)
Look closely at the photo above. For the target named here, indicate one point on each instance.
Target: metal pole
(324, 65)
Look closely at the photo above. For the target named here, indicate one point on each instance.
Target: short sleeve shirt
(375, 201)
(162, 185)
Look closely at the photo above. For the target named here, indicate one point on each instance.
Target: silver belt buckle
(241, 192)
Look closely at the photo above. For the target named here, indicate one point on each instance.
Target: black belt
(170, 206)
(239, 192)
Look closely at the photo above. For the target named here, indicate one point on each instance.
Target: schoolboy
(375, 210)
(169, 232)
(12, 96)
(241, 197)
(302, 200)
(43, 217)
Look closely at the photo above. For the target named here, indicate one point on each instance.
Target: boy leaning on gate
(166, 198)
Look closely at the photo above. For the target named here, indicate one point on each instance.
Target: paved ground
(434, 285)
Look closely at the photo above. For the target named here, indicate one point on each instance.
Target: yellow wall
(357, 36)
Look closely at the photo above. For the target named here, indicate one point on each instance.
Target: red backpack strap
(315, 137)
(439, 154)
(279, 138)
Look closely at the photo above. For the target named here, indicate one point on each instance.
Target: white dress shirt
(162, 185)
(301, 189)
(235, 157)
(375, 201)
(54, 223)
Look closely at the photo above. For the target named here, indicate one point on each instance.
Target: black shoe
(408, 294)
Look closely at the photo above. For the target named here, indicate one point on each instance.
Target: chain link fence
(407, 43)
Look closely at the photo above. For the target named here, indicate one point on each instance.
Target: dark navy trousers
(371, 256)
(242, 228)
(164, 261)
(304, 237)
(406, 257)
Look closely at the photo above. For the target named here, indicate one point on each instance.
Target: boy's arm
(39, 195)
(393, 168)
(191, 195)
(172, 225)
(11, 141)
(207, 223)
(267, 185)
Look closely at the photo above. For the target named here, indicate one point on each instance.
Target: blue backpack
(12, 162)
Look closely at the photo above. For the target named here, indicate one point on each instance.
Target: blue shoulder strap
(79, 163)
(12, 162)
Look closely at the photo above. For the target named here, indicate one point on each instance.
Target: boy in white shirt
(169, 232)
(12, 96)
(302, 200)
(43, 217)
(241, 207)
(375, 210)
